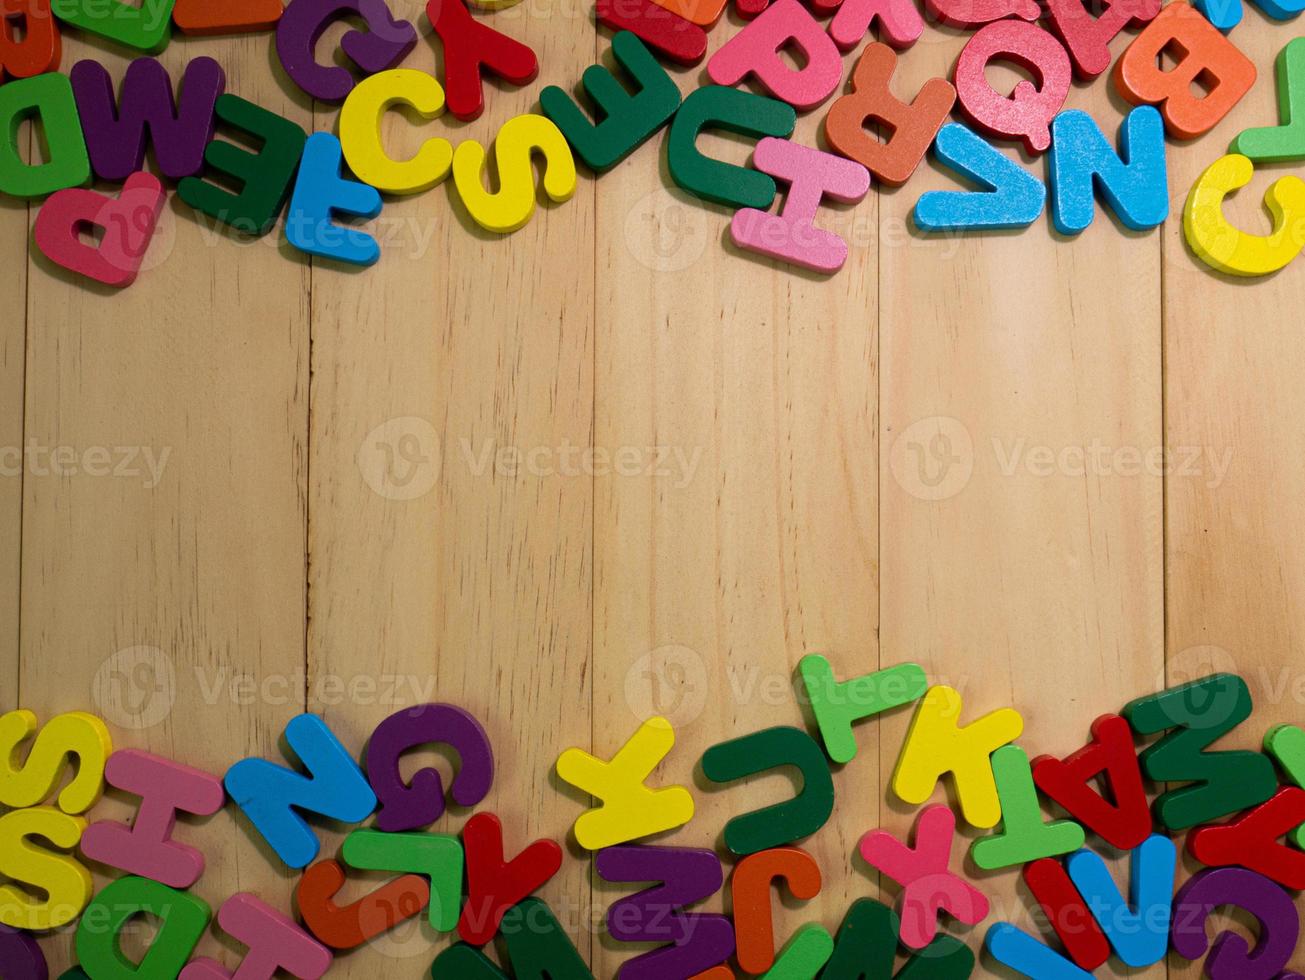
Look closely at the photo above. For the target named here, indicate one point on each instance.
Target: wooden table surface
(610, 466)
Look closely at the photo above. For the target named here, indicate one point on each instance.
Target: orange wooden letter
(909, 127)
(1204, 56)
(754, 929)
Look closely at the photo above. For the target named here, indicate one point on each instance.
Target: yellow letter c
(1222, 246)
(360, 132)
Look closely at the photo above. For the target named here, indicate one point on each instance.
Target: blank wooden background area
(610, 466)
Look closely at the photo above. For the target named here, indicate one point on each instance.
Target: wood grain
(1233, 581)
(149, 604)
(713, 582)
(446, 383)
(611, 466)
(1007, 576)
(13, 350)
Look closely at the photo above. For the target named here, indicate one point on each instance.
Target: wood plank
(1231, 402)
(147, 596)
(13, 342)
(711, 582)
(437, 556)
(728, 521)
(1019, 581)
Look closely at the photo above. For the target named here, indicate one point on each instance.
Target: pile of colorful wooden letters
(464, 884)
(90, 134)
